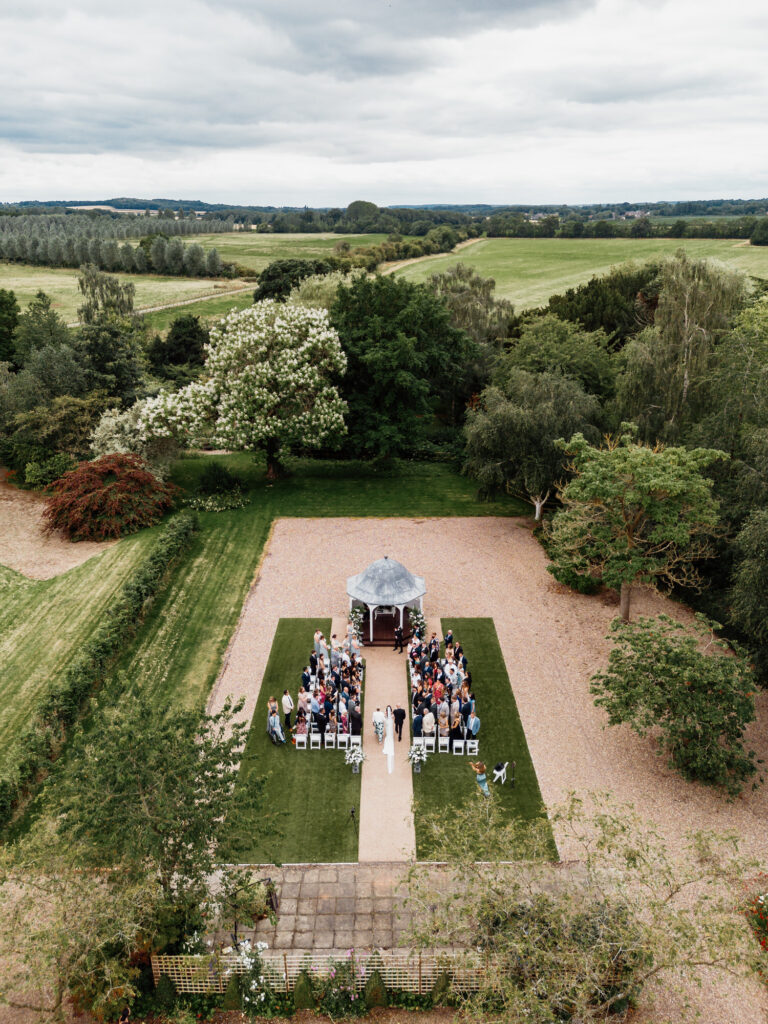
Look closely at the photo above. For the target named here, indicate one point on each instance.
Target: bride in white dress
(389, 739)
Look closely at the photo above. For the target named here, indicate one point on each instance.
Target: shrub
(685, 683)
(44, 734)
(338, 995)
(217, 479)
(375, 991)
(232, 998)
(165, 993)
(42, 474)
(441, 990)
(109, 497)
(303, 994)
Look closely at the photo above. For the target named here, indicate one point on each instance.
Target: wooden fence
(410, 973)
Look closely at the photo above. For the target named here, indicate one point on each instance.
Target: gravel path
(26, 548)
(386, 821)
(552, 641)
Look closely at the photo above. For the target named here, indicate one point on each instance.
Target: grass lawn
(311, 791)
(43, 622)
(446, 780)
(254, 250)
(528, 270)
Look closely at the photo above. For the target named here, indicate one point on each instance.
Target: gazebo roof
(386, 581)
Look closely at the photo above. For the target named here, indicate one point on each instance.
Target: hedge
(61, 707)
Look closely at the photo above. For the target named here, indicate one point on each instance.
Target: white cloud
(286, 101)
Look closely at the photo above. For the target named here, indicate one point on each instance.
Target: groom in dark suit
(399, 716)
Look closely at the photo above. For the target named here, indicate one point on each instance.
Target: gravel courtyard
(552, 640)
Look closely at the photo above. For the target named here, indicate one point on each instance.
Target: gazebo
(385, 588)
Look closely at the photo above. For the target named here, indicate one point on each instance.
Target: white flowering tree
(268, 385)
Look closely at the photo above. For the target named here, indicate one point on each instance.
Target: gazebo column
(401, 607)
(371, 609)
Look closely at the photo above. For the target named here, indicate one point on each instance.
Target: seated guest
(301, 722)
(274, 728)
(428, 724)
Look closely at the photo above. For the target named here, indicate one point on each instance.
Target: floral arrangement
(417, 754)
(219, 502)
(356, 617)
(418, 622)
(757, 915)
(354, 755)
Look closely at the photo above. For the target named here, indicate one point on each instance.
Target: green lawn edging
(310, 792)
(445, 779)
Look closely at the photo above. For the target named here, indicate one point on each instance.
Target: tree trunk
(539, 501)
(274, 465)
(626, 597)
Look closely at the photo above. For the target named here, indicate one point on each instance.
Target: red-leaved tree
(109, 497)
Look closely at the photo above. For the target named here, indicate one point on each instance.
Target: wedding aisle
(386, 818)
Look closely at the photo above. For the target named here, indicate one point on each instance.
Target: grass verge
(446, 780)
(311, 791)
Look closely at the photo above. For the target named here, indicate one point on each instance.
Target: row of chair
(333, 741)
(443, 745)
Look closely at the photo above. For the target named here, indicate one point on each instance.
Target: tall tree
(9, 318)
(511, 433)
(403, 355)
(632, 515)
(38, 326)
(105, 297)
(662, 385)
(269, 385)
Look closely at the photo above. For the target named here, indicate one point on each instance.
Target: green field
(61, 285)
(255, 250)
(309, 791)
(501, 739)
(43, 622)
(209, 310)
(528, 270)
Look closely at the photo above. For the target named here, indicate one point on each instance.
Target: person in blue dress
(478, 767)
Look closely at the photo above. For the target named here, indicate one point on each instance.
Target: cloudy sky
(396, 101)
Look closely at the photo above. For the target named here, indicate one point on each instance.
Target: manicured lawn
(42, 623)
(447, 780)
(311, 791)
(528, 270)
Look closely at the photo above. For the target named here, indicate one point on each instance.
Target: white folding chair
(429, 744)
(418, 741)
(355, 741)
(343, 741)
(458, 747)
(315, 741)
(301, 741)
(500, 774)
(472, 746)
(443, 744)
(330, 739)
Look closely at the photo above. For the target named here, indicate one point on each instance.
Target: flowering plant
(219, 502)
(757, 915)
(338, 994)
(354, 755)
(417, 621)
(260, 983)
(417, 754)
(356, 617)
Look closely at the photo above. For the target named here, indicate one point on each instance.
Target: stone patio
(335, 907)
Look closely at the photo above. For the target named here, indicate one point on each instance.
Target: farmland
(61, 285)
(528, 270)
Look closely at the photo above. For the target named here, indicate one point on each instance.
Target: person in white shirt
(287, 709)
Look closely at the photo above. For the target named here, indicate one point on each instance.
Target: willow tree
(268, 384)
(663, 386)
(632, 514)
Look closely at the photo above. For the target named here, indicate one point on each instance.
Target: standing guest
(306, 682)
(448, 640)
(304, 699)
(287, 709)
(333, 723)
(473, 725)
(356, 720)
(478, 767)
(428, 723)
(417, 724)
(457, 730)
(318, 638)
(313, 662)
(434, 648)
(272, 706)
(399, 716)
(378, 724)
(301, 722)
